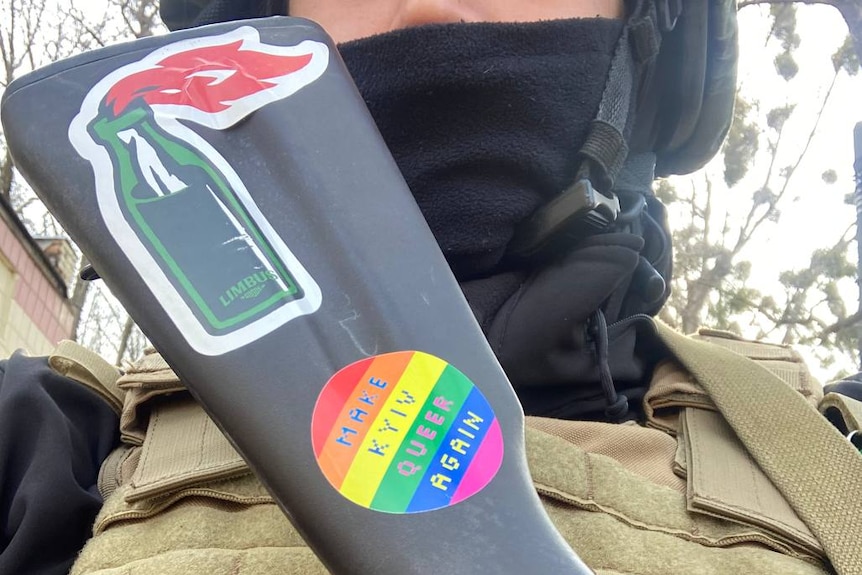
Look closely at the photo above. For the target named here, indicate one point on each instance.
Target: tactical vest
(722, 478)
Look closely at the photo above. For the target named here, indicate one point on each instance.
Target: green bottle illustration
(192, 222)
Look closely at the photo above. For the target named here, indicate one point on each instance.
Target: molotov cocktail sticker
(176, 207)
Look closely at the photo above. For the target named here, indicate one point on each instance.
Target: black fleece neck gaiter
(485, 121)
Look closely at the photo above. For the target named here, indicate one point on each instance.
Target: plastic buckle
(668, 13)
(578, 212)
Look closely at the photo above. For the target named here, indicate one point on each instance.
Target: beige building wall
(7, 291)
(34, 311)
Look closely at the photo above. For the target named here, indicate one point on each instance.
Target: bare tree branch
(124, 339)
(746, 234)
(851, 11)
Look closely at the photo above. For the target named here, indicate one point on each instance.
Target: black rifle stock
(229, 186)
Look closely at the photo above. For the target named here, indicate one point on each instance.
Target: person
(495, 111)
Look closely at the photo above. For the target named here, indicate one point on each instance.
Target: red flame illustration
(208, 78)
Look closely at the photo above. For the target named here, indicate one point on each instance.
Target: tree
(851, 11)
(713, 263)
(31, 35)
(34, 33)
(713, 242)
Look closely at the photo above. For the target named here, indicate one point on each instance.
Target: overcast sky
(817, 214)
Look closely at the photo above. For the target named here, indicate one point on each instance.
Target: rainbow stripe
(405, 432)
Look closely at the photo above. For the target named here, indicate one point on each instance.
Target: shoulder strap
(89, 369)
(816, 469)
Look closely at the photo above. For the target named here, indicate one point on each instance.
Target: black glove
(541, 333)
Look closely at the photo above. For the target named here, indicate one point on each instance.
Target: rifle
(230, 187)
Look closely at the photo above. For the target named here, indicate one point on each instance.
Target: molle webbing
(717, 475)
(640, 450)
(183, 444)
(673, 388)
(90, 370)
(184, 472)
(591, 498)
(723, 481)
(168, 464)
(816, 469)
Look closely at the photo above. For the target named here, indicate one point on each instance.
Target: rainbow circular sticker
(405, 432)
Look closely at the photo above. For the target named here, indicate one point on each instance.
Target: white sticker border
(139, 256)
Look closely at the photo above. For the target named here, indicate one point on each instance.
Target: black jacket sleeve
(54, 435)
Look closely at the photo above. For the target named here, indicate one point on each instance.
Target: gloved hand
(540, 333)
(538, 328)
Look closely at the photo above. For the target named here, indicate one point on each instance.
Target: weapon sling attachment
(580, 210)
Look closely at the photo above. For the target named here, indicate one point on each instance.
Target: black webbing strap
(590, 205)
(606, 147)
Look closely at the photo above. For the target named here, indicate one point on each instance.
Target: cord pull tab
(649, 282)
